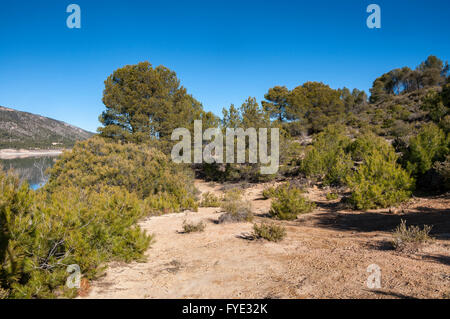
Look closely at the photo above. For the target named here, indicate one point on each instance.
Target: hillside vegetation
(30, 131)
(371, 153)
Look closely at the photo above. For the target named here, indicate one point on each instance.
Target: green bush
(210, 200)
(289, 203)
(42, 233)
(326, 158)
(270, 232)
(379, 182)
(137, 168)
(332, 196)
(409, 238)
(366, 144)
(269, 192)
(274, 192)
(193, 227)
(427, 147)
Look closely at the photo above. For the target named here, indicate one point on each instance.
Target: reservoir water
(30, 169)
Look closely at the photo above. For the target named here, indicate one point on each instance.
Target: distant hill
(30, 131)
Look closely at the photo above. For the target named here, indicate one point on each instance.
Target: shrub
(409, 238)
(41, 233)
(273, 192)
(236, 209)
(269, 192)
(193, 227)
(3, 294)
(270, 232)
(443, 169)
(435, 104)
(289, 203)
(400, 129)
(379, 182)
(427, 147)
(148, 173)
(366, 144)
(210, 200)
(332, 196)
(326, 158)
(233, 194)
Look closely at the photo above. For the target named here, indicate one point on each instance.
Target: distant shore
(23, 153)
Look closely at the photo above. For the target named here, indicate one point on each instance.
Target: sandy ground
(12, 153)
(325, 255)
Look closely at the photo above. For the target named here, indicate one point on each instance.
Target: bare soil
(325, 255)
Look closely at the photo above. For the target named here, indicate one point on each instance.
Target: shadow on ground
(391, 294)
(440, 259)
(386, 222)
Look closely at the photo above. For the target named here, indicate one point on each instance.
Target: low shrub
(3, 294)
(270, 232)
(165, 202)
(236, 209)
(408, 239)
(289, 203)
(210, 200)
(190, 227)
(269, 192)
(273, 192)
(332, 196)
(233, 194)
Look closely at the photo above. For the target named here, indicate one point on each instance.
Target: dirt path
(325, 255)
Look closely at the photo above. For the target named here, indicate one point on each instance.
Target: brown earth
(325, 255)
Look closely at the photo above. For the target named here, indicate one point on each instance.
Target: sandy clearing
(325, 255)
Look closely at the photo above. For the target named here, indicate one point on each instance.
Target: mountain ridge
(25, 130)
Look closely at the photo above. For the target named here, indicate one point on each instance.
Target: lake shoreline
(24, 153)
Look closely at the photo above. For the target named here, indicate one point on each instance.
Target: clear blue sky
(223, 51)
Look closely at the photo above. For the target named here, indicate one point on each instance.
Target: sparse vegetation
(332, 196)
(210, 200)
(269, 192)
(30, 131)
(270, 232)
(408, 238)
(191, 227)
(236, 209)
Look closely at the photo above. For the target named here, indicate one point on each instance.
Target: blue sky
(222, 51)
